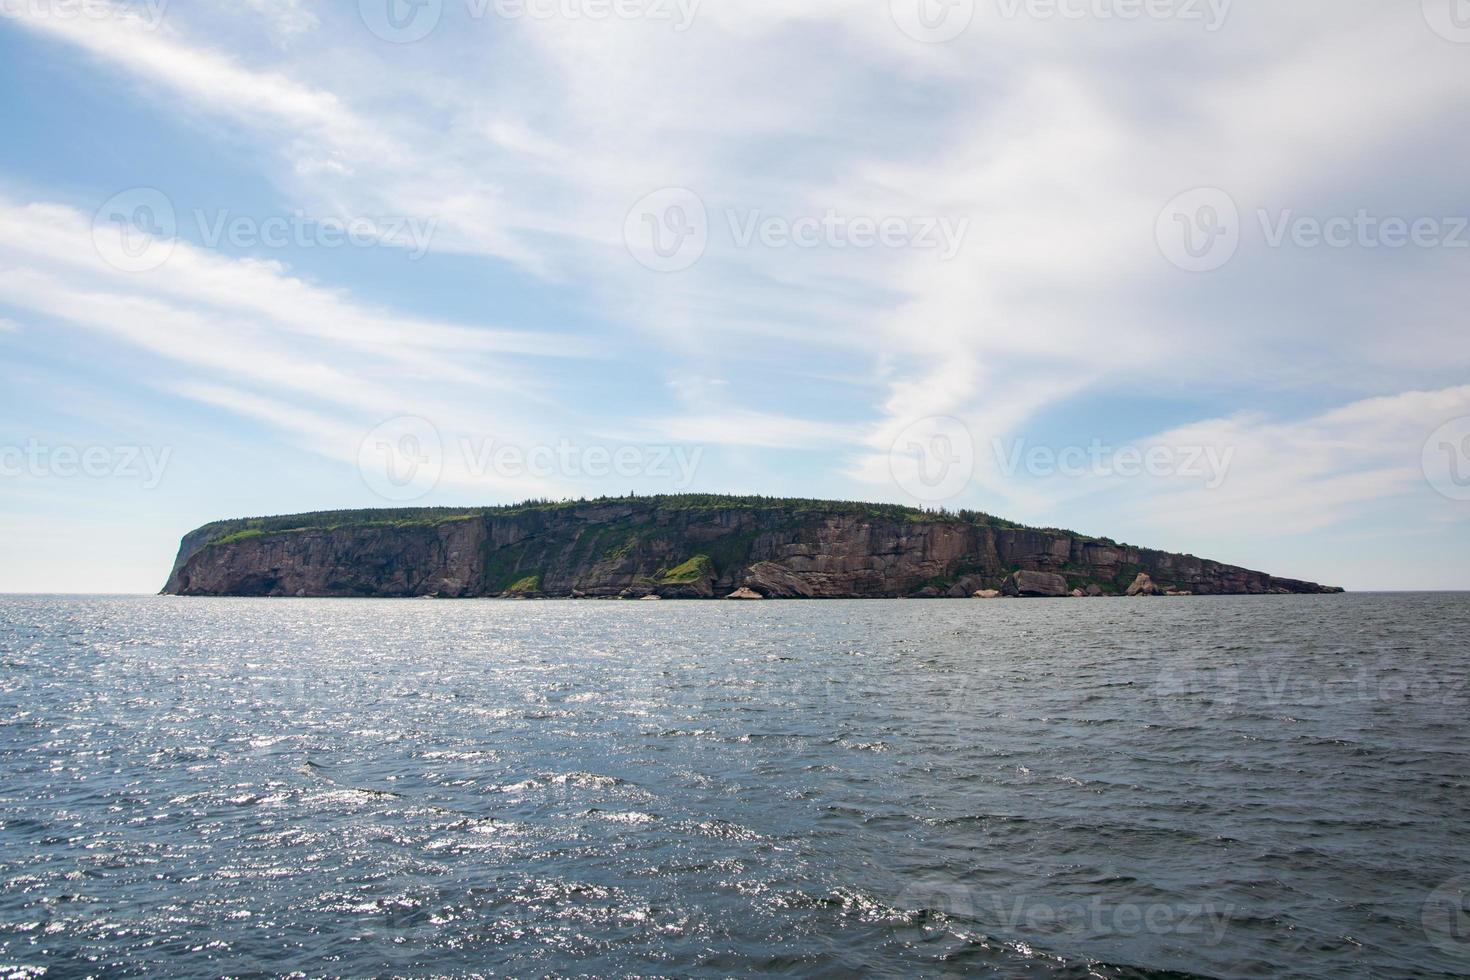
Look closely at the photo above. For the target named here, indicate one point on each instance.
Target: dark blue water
(1247, 787)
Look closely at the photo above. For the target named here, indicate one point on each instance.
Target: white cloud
(1271, 476)
(1059, 141)
(209, 77)
(257, 341)
(286, 18)
(751, 428)
(61, 235)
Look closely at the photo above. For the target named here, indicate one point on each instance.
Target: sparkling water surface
(1231, 787)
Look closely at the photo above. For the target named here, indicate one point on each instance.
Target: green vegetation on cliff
(332, 520)
(528, 585)
(244, 535)
(696, 569)
(231, 531)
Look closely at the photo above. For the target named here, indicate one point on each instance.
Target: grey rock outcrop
(1035, 585)
(1143, 585)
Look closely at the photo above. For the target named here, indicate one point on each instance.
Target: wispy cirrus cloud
(1057, 141)
(328, 368)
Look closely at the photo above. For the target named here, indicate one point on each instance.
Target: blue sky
(1193, 278)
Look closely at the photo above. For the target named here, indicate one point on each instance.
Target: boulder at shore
(743, 593)
(1144, 585)
(1035, 585)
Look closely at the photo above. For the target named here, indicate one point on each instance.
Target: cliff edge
(694, 547)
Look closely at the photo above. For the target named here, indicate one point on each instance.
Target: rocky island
(684, 547)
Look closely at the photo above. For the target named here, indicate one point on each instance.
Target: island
(689, 546)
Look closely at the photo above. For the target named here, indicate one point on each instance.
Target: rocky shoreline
(685, 548)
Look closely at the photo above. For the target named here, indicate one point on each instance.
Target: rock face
(1143, 585)
(1035, 585)
(676, 548)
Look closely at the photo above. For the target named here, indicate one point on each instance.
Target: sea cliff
(690, 547)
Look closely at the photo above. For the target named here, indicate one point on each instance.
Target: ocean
(1225, 787)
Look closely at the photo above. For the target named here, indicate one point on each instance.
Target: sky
(1191, 274)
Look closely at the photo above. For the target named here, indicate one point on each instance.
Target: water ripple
(1243, 787)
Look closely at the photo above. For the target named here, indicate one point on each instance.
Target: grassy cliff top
(248, 527)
